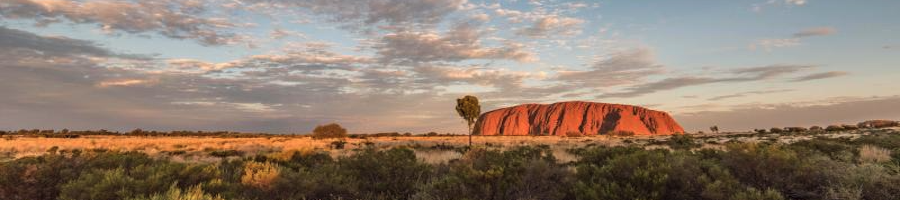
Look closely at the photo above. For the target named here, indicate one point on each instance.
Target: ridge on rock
(587, 118)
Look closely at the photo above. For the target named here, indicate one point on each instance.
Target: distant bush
(878, 124)
(795, 129)
(834, 128)
(621, 133)
(776, 130)
(329, 131)
(816, 128)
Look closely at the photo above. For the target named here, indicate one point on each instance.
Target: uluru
(587, 118)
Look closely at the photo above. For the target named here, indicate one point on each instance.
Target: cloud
(665, 84)
(15, 40)
(552, 25)
(122, 83)
(822, 75)
(736, 75)
(355, 14)
(772, 43)
(286, 92)
(827, 112)
(170, 18)
(769, 44)
(744, 94)
(461, 42)
(759, 6)
(817, 31)
(617, 69)
(766, 72)
(795, 2)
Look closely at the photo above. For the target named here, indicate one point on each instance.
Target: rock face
(587, 118)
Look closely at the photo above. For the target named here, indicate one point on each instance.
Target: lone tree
(714, 129)
(329, 131)
(468, 109)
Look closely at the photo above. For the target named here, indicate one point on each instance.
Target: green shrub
(682, 142)
(519, 173)
(390, 173)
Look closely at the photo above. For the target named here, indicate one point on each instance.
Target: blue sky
(397, 65)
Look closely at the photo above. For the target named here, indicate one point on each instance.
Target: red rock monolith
(588, 118)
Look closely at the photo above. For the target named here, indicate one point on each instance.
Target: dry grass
(430, 149)
(873, 154)
(260, 175)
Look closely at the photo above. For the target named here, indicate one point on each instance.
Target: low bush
(329, 131)
(682, 142)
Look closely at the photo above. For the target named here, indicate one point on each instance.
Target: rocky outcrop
(588, 118)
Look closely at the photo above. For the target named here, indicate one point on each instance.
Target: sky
(285, 66)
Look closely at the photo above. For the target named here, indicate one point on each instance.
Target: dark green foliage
(776, 130)
(834, 128)
(520, 173)
(391, 173)
(469, 109)
(682, 142)
(329, 131)
(225, 153)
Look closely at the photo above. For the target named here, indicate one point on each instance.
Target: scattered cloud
(817, 31)
(737, 75)
(173, 19)
(364, 14)
(462, 42)
(822, 75)
(13, 40)
(553, 26)
(772, 43)
(789, 3)
(122, 83)
(619, 68)
(795, 2)
(745, 94)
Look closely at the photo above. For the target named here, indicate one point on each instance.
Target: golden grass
(873, 154)
(260, 175)
(428, 149)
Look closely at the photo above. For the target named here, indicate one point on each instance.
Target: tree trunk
(470, 136)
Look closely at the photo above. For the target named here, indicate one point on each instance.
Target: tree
(329, 131)
(714, 129)
(468, 109)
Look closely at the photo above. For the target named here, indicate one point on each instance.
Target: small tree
(329, 131)
(714, 129)
(468, 109)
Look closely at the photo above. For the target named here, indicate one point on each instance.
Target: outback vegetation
(760, 166)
